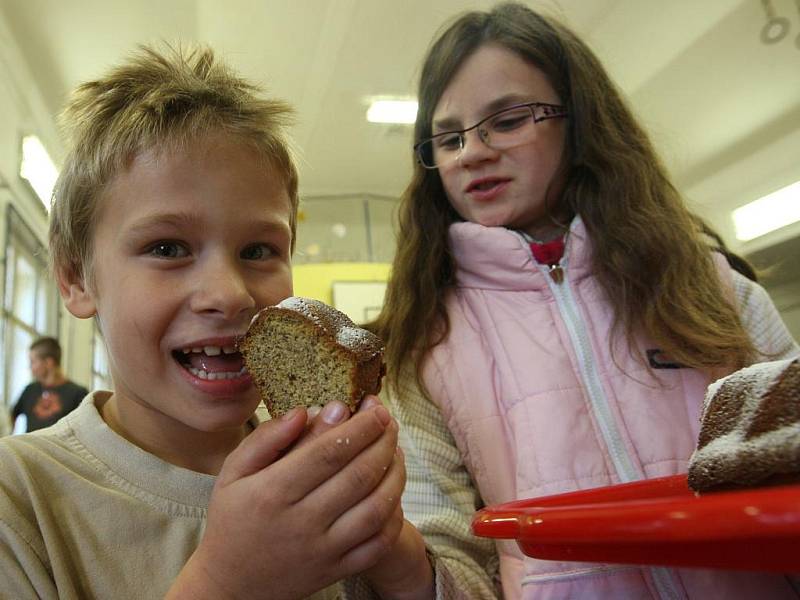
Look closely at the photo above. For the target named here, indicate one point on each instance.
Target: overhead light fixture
(768, 213)
(392, 111)
(38, 169)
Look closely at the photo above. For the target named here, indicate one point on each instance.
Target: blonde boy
(173, 223)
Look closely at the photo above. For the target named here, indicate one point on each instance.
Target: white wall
(787, 300)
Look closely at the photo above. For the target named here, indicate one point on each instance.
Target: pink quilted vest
(538, 406)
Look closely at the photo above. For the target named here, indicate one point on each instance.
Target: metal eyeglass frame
(551, 111)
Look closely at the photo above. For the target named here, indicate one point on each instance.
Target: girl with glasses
(555, 312)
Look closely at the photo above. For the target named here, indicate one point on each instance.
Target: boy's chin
(222, 423)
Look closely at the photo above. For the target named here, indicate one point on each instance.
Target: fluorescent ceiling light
(768, 213)
(392, 111)
(38, 169)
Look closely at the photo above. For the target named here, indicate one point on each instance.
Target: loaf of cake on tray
(750, 432)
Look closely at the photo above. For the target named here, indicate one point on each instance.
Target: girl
(555, 312)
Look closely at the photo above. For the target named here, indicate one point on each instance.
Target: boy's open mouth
(211, 362)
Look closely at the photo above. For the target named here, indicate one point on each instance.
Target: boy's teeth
(218, 375)
(211, 350)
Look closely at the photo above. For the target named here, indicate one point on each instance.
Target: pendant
(557, 273)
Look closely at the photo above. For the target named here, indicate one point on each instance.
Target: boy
(51, 395)
(173, 223)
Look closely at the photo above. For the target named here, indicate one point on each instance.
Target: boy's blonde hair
(163, 100)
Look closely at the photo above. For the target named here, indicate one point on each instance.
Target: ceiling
(723, 108)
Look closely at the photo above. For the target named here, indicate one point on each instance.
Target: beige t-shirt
(80, 508)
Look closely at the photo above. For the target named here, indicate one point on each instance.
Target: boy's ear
(76, 294)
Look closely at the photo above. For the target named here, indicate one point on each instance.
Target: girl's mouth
(486, 190)
(485, 184)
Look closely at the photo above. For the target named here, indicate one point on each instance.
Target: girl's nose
(222, 290)
(476, 150)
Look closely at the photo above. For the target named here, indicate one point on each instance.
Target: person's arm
(19, 407)
(285, 522)
(22, 570)
(762, 321)
(440, 498)
(17, 410)
(25, 568)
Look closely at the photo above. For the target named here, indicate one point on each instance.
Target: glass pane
(5, 400)
(100, 376)
(101, 383)
(332, 230)
(381, 228)
(45, 304)
(19, 373)
(23, 305)
(11, 262)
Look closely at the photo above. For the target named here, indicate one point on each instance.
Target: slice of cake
(750, 432)
(303, 352)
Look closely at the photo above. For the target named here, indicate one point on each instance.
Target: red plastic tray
(656, 522)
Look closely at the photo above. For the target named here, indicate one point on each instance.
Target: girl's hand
(289, 527)
(405, 571)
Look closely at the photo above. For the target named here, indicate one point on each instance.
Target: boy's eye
(258, 252)
(168, 250)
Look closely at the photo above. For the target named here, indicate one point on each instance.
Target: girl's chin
(491, 219)
(498, 222)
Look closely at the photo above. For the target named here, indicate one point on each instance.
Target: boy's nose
(223, 291)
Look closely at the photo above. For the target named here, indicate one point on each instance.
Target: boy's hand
(330, 416)
(287, 528)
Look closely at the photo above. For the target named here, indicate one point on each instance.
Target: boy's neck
(54, 379)
(171, 446)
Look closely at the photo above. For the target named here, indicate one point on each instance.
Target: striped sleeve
(762, 321)
(440, 498)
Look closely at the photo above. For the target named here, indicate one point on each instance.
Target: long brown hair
(650, 255)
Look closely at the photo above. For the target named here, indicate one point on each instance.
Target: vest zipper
(626, 471)
(556, 273)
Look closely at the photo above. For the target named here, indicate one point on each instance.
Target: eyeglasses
(512, 126)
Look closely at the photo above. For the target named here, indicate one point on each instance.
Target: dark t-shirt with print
(44, 406)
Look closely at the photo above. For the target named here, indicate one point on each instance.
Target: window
(101, 379)
(30, 304)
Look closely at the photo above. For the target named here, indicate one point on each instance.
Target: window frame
(19, 236)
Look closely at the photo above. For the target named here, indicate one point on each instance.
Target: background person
(51, 395)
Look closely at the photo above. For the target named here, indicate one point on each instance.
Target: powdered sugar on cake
(750, 429)
(346, 333)
(756, 378)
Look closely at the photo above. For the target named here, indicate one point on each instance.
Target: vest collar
(497, 258)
